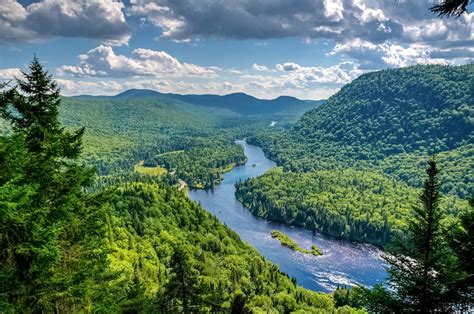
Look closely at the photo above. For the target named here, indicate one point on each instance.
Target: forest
(388, 121)
(352, 167)
(360, 206)
(137, 245)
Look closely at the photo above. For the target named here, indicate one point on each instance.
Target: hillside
(396, 116)
(421, 108)
(361, 206)
(119, 133)
(240, 103)
(150, 224)
(353, 166)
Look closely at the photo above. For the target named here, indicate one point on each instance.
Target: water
(343, 263)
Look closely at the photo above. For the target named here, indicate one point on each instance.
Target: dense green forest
(139, 246)
(193, 141)
(121, 133)
(356, 205)
(430, 267)
(352, 167)
(389, 120)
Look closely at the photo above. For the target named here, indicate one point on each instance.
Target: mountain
(389, 120)
(352, 167)
(237, 102)
(426, 108)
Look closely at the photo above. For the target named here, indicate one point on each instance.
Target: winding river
(343, 263)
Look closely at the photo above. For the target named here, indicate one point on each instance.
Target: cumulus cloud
(302, 77)
(288, 78)
(10, 74)
(372, 55)
(260, 68)
(112, 87)
(399, 25)
(103, 62)
(103, 20)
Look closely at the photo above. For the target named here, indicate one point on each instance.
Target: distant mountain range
(238, 102)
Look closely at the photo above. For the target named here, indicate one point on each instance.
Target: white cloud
(333, 9)
(391, 26)
(234, 71)
(260, 68)
(74, 87)
(63, 18)
(103, 62)
(288, 67)
(10, 74)
(395, 55)
(289, 78)
(302, 76)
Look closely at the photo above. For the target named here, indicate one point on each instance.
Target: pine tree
(41, 201)
(181, 292)
(450, 8)
(419, 270)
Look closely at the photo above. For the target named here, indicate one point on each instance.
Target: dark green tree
(461, 240)
(450, 8)
(41, 199)
(182, 290)
(422, 269)
(238, 304)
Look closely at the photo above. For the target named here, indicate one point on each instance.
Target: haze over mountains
(237, 102)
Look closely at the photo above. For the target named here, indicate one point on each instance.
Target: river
(343, 262)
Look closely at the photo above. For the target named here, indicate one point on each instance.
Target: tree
(181, 292)
(421, 271)
(461, 240)
(450, 8)
(417, 265)
(42, 206)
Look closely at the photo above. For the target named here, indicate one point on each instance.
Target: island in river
(285, 240)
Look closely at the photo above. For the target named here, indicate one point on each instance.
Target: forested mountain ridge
(144, 125)
(361, 206)
(123, 132)
(378, 130)
(237, 102)
(389, 121)
(419, 108)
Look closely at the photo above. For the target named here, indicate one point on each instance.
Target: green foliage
(162, 244)
(138, 247)
(425, 108)
(424, 273)
(388, 120)
(450, 8)
(46, 227)
(202, 165)
(356, 205)
(290, 243)
(120, 133)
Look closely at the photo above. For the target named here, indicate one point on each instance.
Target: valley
(342, 264)
(167, 207)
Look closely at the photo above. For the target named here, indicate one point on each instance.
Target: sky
(266, 48)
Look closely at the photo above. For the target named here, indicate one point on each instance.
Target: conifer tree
(41, 183)
(420, 270)
(181, 292)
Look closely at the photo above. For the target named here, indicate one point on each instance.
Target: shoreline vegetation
(287, 241)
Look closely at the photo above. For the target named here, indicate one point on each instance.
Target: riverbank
(343, 262)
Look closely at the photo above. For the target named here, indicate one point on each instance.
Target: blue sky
(304, 48)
